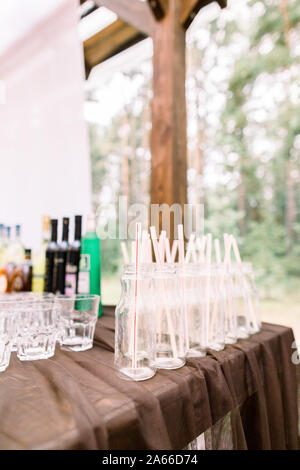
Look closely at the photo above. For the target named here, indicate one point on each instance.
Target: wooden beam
(190, 8)
(133, 12)
(168, 137)
(108, 42)
(159, 8)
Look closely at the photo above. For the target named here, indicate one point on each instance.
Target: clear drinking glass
(169, 318)
(215, 309)
(135, 328)
(17, 300)
(79, 315)
(7, 328)
(191, 284)
(37, 330)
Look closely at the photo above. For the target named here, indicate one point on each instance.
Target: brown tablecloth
(77, 401)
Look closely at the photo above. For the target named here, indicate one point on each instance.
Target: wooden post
(166, 22)
(168, 137)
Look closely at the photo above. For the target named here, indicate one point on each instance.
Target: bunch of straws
(183, 302)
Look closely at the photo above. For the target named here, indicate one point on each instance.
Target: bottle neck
(54, 231)
(65, 233)
(77, 235)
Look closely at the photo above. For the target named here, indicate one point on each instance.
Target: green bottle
(89, 279)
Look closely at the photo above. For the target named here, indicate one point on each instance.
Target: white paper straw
(238, 258)
(169, 319)
(124, 252)
(207, 290)
(190, 249)
(217, 250)
(200, 243)
(181, 262)
(167, 250)
(174, 251)
(135, 316)
(161, 245)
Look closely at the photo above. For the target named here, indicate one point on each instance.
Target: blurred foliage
(243, 101)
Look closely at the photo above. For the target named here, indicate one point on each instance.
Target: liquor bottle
(73, 258)
(2, 245)
(50, 252)
(39, 258)
(27, 271)
(59, 271)
(15, 278)
(90, 264)
(7, 244)
(15, 250)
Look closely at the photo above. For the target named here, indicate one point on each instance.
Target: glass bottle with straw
(169, 313)
(134, 328)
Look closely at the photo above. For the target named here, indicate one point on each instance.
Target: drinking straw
(124, 253)
(207, 290)
(169, 319)
(239, 262)
(138, 231)
(167, 250)
(161, 245)
(181, 262)
(200, 243)
(191, 249)
(226, 264)
(144, 253)
(133, 250)
(174, 251)
(217, 250)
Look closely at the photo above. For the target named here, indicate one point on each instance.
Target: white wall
(44, 153)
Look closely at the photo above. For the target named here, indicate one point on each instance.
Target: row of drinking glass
(172, 311)
(31, 324)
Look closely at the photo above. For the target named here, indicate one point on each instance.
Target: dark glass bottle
(50, 252)
(27, 271)
(73, 258)
(60, 258)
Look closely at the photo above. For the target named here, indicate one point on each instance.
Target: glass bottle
(191, 283)
(215, 309)
(134, 329)
(16, 252)
(50, 253)
(171, 345)
(60, 258)
(252, 297)
(39, 258)
(89, 278)
(240, 303)
(73, 258)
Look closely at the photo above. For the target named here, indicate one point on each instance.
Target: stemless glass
(192, 283)
(169, 318)
(37, 330)
(79, 315)
(134, 332)
(7, 321)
